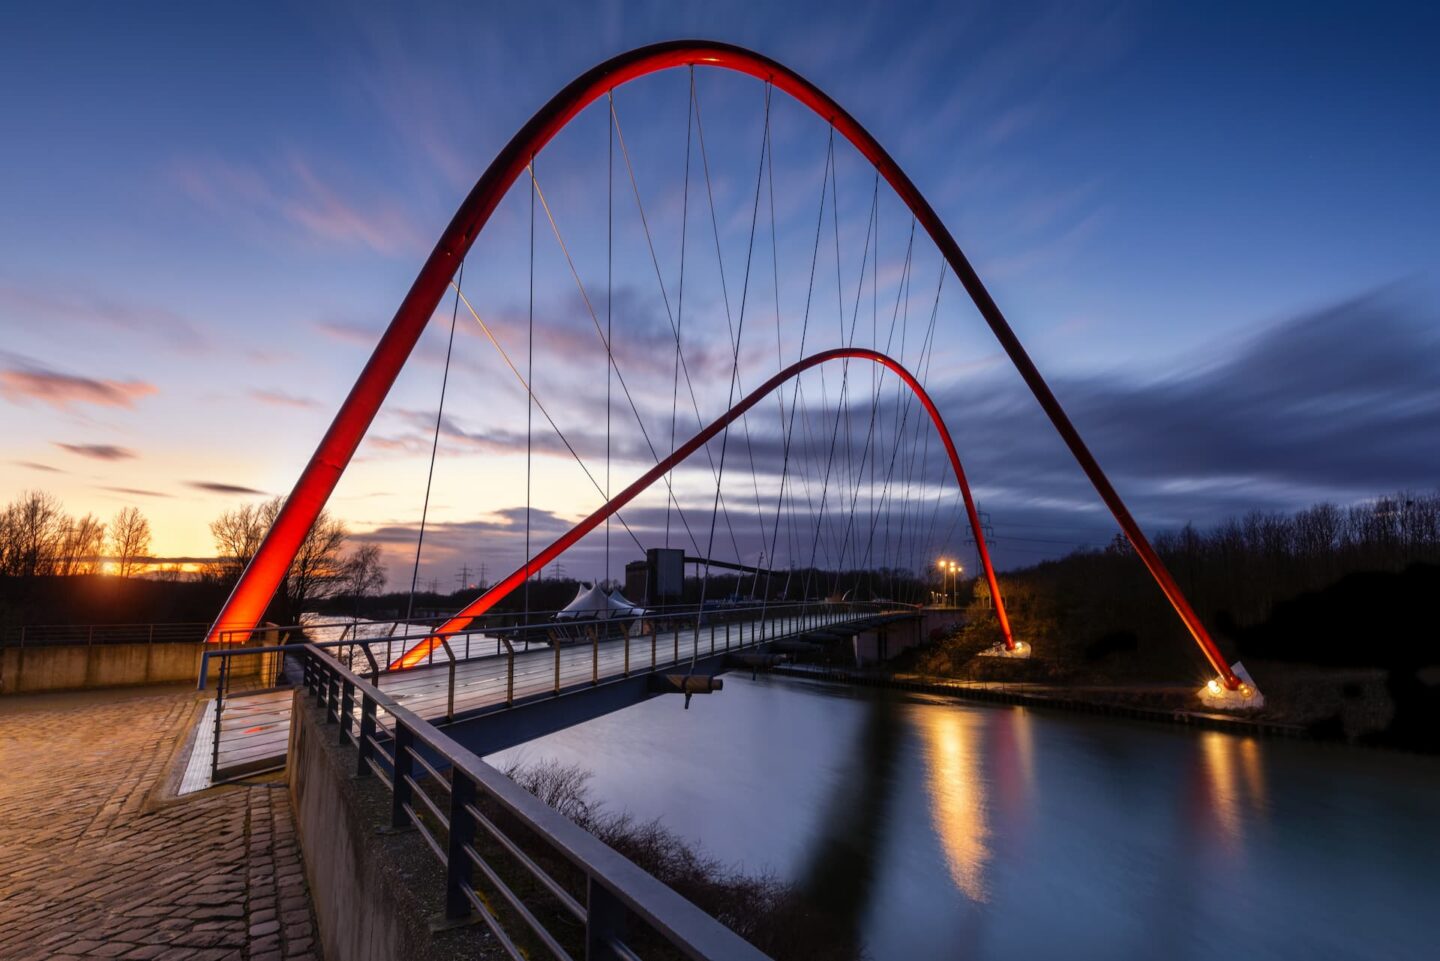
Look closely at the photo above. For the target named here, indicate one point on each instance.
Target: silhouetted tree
(32, 531)
(318, 570)
(363, 574)
(129, 540)
(81, 544)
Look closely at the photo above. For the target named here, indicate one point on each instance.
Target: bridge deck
(255, 727)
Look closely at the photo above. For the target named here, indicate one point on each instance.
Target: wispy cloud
(215, 487)
(26, 381)
(134, 491)
(289, 197)
(99, 451)
(46, 468)
(281, 399)
(51, 304)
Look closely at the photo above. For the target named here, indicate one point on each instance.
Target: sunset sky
(1217, 235)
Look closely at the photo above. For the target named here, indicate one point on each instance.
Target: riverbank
(1048, 696)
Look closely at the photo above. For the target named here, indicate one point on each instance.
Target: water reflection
(935, 829)
(1230, 785)
(854, 828)
(959, 749)
(957, 796)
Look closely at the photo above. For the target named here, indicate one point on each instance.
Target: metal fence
(42, 635)
(646, 642)
(540, 883)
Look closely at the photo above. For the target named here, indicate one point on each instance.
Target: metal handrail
(616, 887)
(803, 617)
(40, 635)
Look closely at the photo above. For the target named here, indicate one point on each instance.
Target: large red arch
(509, 583)
(257, 585)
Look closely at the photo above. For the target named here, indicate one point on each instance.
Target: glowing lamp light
(1214, 686)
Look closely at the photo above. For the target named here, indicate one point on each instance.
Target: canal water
(945, 829)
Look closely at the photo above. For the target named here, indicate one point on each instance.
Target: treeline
(1244, 567)
(1092, 604)
(52, 564)
(322, 569)
(39, 539)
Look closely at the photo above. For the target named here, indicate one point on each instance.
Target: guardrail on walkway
(495, 840)
(41, 635)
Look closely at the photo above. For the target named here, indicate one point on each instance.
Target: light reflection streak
(1233, 785)
(957, 794)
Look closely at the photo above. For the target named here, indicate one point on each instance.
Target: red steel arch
(252, 594)
(537, 563)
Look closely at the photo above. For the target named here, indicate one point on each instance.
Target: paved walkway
(94, 865)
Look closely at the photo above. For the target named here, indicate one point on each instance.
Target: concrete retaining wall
(68, 667)
(378, 895)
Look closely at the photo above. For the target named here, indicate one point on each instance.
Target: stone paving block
(94, 869)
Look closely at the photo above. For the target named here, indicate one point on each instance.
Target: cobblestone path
(91, 866)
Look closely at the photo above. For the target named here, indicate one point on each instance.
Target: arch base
(1021, 650)
(1247, 697)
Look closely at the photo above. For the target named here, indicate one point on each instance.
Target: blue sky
(1214, 227)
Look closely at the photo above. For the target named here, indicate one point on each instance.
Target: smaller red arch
(517, 577)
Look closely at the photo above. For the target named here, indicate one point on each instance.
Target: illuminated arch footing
(252, 594)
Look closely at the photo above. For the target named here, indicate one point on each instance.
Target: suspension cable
(435, 446)
(735, 365)
(540, 406)
(595, 319)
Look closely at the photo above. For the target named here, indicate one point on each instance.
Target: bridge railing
(44, 635)
(532, 876)
(252, 663)
(373, 648)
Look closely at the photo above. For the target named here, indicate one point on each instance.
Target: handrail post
(347, 708)
(595, 658)
(459, 871)
(605, 923)
(555, 643)
(400, 783)
(450, 698)
(367, 731)
(219, 703)
(509, 675)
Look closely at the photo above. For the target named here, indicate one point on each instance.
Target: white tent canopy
(593, 604)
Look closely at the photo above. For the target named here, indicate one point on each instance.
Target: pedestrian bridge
(496, 685)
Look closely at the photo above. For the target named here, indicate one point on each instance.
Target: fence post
(347, 708)
(605, 923)
(404, 765)
(510, 678)
(367, 731)
(219, 703)
(459, 871)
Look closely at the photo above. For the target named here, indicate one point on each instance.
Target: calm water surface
(954, 830)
